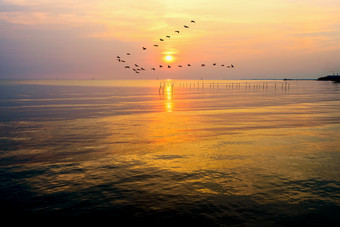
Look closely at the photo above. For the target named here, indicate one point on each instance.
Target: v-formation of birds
(137, 68)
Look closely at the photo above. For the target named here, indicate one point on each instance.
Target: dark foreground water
(218, 153)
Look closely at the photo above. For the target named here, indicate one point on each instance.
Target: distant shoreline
(278, 79)
(334, 78)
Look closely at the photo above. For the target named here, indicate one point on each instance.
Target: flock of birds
(138, 68)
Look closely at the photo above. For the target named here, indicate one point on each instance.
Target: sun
(168, 58)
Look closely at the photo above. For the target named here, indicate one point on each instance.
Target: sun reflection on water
(168, 92)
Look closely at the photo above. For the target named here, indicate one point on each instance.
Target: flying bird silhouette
(138, 69)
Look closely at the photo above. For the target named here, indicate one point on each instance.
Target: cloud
(8, 7)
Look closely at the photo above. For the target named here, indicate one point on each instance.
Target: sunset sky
(80, 39)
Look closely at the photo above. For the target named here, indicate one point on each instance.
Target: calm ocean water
(213, 153)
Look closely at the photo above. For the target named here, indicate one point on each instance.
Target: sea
(171, 152)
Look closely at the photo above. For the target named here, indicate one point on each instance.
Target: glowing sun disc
(169, 58)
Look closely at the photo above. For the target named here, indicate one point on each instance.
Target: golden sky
(81, 38)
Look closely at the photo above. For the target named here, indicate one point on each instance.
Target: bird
(138, 69)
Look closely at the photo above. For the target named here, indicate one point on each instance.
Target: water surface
(219, 153)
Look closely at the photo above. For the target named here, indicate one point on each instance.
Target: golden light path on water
(169, 93)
